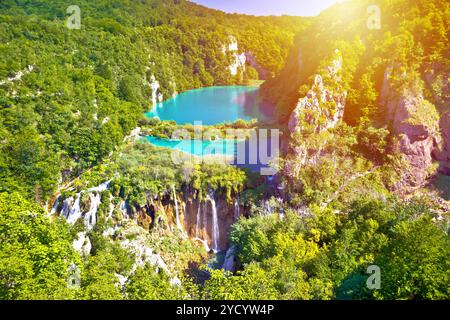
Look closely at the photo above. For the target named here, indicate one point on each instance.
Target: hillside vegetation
(356, 210)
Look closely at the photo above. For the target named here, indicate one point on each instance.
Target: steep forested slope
(129, 223)
(68, 96)
(412, 36)
(392, 77)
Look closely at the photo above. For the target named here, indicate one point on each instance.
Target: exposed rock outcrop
(442, 153)
(199, 220)
(415, 122)
(323, 107)
(436, 79)
(207, 220)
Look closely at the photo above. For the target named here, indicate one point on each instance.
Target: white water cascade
(90, 218)
(177, 212)
(205, 217)
(102, 187)
(123, 209)
(205, 244)
(72, 212)
(237, 210)
(82, 244)
(71, 209)
(215, 224)
(154, 84)
(201, 222)
(55, 207)
(197, 221)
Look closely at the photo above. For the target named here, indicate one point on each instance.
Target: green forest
(363, 177)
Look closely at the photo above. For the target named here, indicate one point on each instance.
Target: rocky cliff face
(415, 122)
(207, 221)
(323, 106)
(210, 221)
(442, 153)
(321, 109)
(435, 78)
(422, 134)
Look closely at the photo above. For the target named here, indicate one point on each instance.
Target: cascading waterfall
(215, 227)
(237, 209)
(201, 223)
(197, 221)
(102, 187)
(177, 212)
(73, 213)
(205, 217)
(90, 218)
(66, 207)
(215, 223)
(123, 209)
(71, 209)
(207, 229)
(55, 206)
(269, 207)
(205, 244)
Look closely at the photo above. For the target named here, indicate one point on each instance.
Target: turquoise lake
(198, 147)
(212, 105)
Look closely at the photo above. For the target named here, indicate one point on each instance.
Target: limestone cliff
(415, 123)
(442, 153)
(323, 106)
(205, 220)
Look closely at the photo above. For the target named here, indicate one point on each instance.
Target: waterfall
(176, 208)
(73, 213)
(71, 209)
(282, 215)
(205, 216)
(215, 224)
(197, 221)
(154, 84)
(237, 210)
(205, 244)
(90, 217)
(201, 213)
(102, 187)
(268, 206)
(55, 206)
(123, 209)
(66, 207)
(82, 244)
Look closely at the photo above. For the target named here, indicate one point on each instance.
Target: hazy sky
(270, 7)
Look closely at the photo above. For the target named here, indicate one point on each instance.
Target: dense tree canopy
(70, 98)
